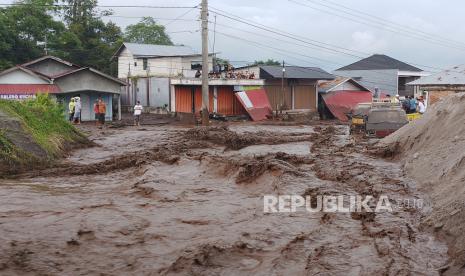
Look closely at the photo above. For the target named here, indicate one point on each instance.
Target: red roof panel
(22, 89)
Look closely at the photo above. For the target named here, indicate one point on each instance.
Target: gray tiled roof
(151, 50)
(453, 76)
(380, 62)
(294, 72)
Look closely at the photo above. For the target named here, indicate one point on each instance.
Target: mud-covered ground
(166, 200)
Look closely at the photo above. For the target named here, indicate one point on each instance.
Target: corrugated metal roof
(294, 72)
(380, 62)
(326, 86)
(20, 89)
(453, 76)
(151, 50)
(91, 70)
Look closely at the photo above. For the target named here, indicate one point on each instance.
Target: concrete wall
(437, 92)
(159, 92)
(51, 67)
(20, 77)
(385, 80)
(87, 80)
(151, 92)
(157, 67)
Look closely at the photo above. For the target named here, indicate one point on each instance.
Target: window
(135, 63)
(144, 63)
(196, 65)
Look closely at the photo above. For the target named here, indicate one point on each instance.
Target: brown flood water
(169, 201)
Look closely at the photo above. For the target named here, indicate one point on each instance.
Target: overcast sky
(441, 18)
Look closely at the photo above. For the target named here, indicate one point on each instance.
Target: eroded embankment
(188, 206)
(33, 134)
(431, 152)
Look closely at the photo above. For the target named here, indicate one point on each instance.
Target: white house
(148, 60)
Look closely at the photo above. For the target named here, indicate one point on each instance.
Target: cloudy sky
(313, 21)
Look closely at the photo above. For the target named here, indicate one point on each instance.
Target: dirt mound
(222, 135)
(432, 151)
(248, 169)
(167, 153)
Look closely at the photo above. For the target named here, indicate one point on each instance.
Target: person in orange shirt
(97, 113)
(102, 110)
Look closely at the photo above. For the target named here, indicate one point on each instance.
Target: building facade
(383, 73)
(63, 80)
(295, 88)
(147, 60)
(441, 84)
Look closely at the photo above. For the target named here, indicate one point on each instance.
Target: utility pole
(282, 88)
(205, 69)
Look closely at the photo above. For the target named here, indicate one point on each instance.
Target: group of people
(413, 105)
(227, 74)
(410, 104)
(230, 75)
(75, 108)
(100, 109)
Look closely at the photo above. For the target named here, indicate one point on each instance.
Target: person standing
(413, 105)
(406, 104)
(77, 110)
(421, 106)
(71, 106)
(102, 110)
(97, 113)
(137, 113)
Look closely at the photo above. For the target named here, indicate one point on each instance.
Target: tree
(24, 30)
(147, 31)
(267, 62)
(91, 41)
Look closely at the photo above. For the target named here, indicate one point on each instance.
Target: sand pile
(432, 150)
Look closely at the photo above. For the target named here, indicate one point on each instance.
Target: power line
(101, 6)
(155, 18)
(296, 37)
(377, 25)
(391, 22)
(322, 45)
(181, 16)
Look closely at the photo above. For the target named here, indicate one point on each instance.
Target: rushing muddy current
(175, 201)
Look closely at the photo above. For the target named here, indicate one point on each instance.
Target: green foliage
(44, 119)
(147, 31)
(220, 61)
(267, 62)
(75, 32)
(23, 27)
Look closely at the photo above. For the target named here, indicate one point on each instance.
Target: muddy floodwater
(166, 200)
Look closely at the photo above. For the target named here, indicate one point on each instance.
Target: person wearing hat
(77, 110)
(71, 106)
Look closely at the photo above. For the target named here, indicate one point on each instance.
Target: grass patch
(44, 119)
(38, 123)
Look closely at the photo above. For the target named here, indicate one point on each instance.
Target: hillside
(33, 134)
(432, 150)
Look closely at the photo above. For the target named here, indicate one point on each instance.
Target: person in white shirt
(137, 113)
(421, 106)
(77, 110)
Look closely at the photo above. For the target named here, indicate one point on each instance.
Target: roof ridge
(380, 62)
